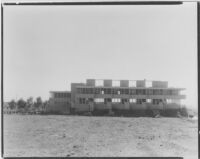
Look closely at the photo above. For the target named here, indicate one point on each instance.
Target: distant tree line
(30, 106)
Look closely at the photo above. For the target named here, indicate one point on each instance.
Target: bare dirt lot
(43, 136)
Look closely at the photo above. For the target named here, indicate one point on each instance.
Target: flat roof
(118, 87)
(145, 80)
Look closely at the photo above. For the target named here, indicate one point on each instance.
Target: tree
(38, 102)
(29, 102)
(12, 104)
(21, 103)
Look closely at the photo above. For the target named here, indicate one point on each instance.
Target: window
(156, 92)
(115, 83)
(102, 91)
(140, 101)
(124, 101)
(97, 91)
(148, 100)
(132, 92)
(132, 83)
(107, 91)
(148, 83)
(82, 101)
(118, 92)
(165, 92)
(132, 100)
(99, 100)
(108, 99)
(140, 91)
(90, 99)
(156, 101)
(98, 82)
(124, 91)
(174, 92)
(149, 91)
(143, 100)
(114, 91)
(169, 101)
(116, 100)
(84, 90)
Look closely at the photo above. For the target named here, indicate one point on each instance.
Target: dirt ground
(43, 136)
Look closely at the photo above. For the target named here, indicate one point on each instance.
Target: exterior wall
(100, 106)
(82, 108)
(159, 106)
(107, 83)
(74, 92)
(171, 106)
(61, 106)
(124, 83)
(135, 106)
(140, 83)
(59, 102)
(160, 84)
(117, 106)
(90, 82)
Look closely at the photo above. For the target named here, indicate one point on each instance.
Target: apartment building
(134, 95)
(117, 96)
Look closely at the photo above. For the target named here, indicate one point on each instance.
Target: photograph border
(94, 3)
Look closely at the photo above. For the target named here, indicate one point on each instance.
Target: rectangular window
(132, 100)
(155, 92)
(115, 83)
(116, 100)
(132, 92)
(98, 82)
(149, 92)
(82, 101)
(99, 100)
(121, 91)
(144, 101)
(132, 83)
(114, 91)
(126, 91)
(165, 92)
(156, 101)
(139, 101)
(148, 83)
(148, 100)
(107, 100)
(97, 91)
(169, 101)
(107, 91)
(84, 90)
(140, 92)
(90, 91)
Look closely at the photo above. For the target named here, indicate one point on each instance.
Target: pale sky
(48, 47)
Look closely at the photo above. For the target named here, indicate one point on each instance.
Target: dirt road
(43, 136)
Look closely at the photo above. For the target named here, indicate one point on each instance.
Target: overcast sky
(48, 47)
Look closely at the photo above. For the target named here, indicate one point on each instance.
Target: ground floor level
(77, 136)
